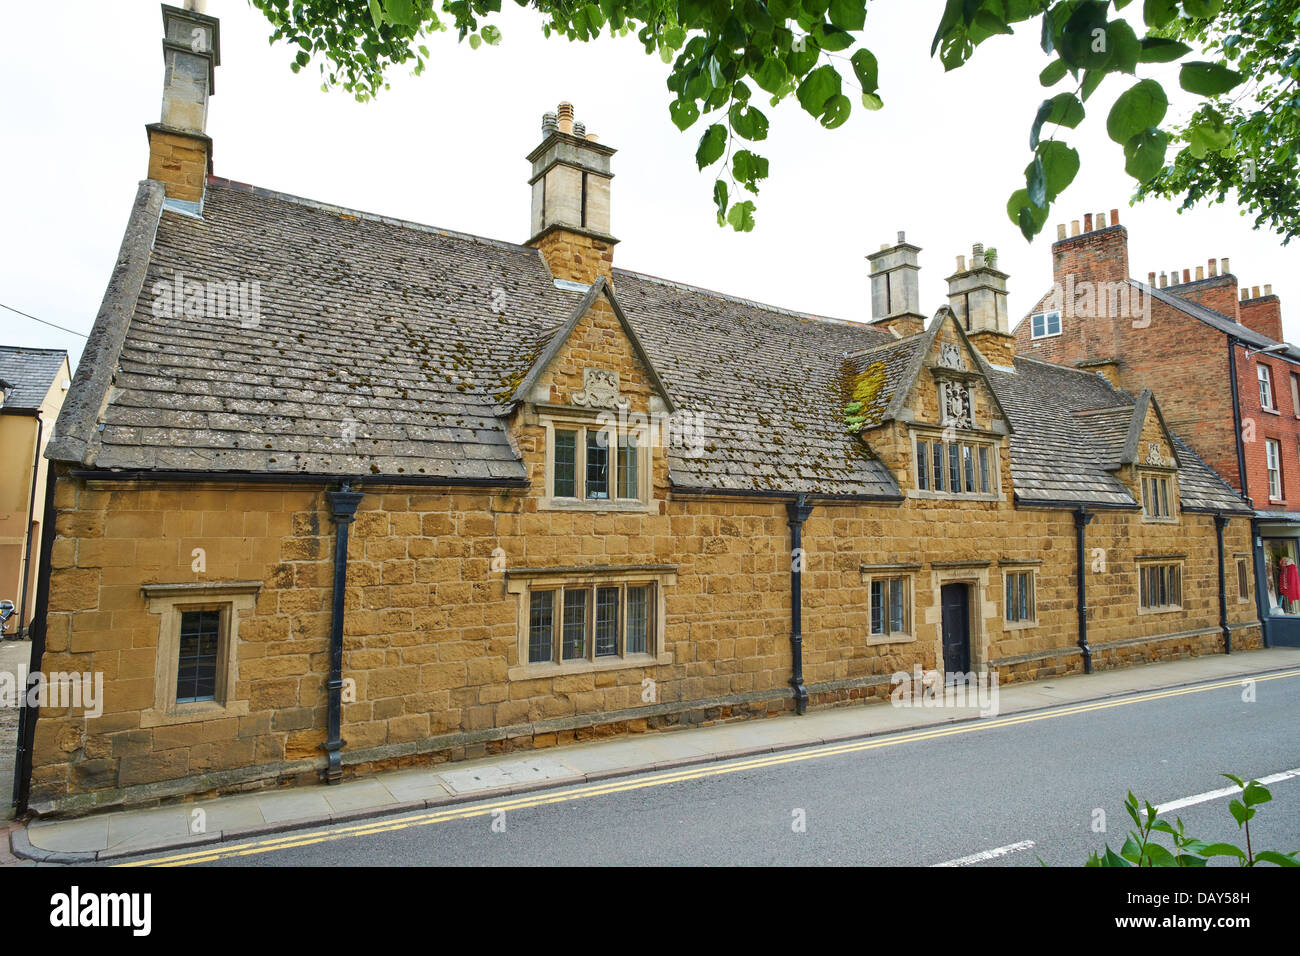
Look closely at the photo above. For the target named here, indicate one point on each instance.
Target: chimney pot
(1268, 290)
(1200, 273)
(1245, 295)
(1074, 227)
(902, 237)
(580, 130)
(1151, 278)
(1254, 292)
(1114, 217)
(1101, 220)
(1226, 268)
(961, 263)
(591, 138)
(564, 116)
(1214, 268)
(1087, 222)
(548, 124)
(1187, 275)
(1060, 231)
(1164, 280)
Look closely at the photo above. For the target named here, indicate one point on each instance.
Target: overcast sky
(83, 77)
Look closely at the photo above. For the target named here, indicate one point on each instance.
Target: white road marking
(1225, 792)
(988, 854)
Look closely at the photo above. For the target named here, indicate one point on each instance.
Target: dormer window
(1043, 324)
(1158, 499)
(596, 465)
(949, 468)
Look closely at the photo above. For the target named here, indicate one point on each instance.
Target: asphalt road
(1042, 778)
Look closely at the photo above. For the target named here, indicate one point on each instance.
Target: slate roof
(896, 362)
(1214, 318)
(419, 338)
(30, 373)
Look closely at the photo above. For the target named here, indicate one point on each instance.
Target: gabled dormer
(591, 417)
(929, 411)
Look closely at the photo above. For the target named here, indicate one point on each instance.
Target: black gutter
(27, 715)
(1065, 504)
(27, 532)
(798, 510)
(1236, 420)
(1081, 519)
(299, 478)
(1219, 521)
(343, 509)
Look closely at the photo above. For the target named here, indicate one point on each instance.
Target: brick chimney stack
(1217, 291)
(570, 209)
(1262, 313)
(1094, 255)
(180, 152)
(978, 298)
(895, 288)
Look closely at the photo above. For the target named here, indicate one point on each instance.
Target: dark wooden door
(956, 628)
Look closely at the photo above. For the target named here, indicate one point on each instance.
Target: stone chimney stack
(570, 209)
(895, 289)
(978, 298)
(180, 152)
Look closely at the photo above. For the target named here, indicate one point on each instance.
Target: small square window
(1018, 605)
(1045, 323)
(196, 673)
(889, 609)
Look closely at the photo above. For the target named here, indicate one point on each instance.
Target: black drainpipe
(27, 532)
(343, 508)
(798, 510)
(1220, 520)
(1081, 519)
(27, 715)
(1236, 419)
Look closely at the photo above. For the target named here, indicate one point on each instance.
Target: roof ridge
(1064, 368)
(322, 206)
(32, 348)
(794, 313)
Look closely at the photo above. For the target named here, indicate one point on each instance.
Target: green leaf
(1276, 858)
(376, 13)
(475, 41)
(772, 75)
(1131, 850)
(1240, 812)
(720, 200)
(836, 112)
(848, 14)
(1159, 856)
(1053, 73)
(1255, 794)
(1036, 181)
(683, 113)
(1063, 109)
(748, 168)
(1125, 49)
(712, 145)
(401, 12)
(817, 88)
(1208, 79)
(491, 34)
(1091, 80)
(866, 69)
(748, 122)
(1144, 154)
(302, 58)
(1028, 217)
(1156, 13)
(871, 101)
(1223, 849)
(1203, 9)
(1060, 165)
(1162, 50)
(741, 216)
(1141, 106)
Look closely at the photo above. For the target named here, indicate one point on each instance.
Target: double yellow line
(624, 785)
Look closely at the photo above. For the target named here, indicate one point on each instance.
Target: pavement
(114, 835)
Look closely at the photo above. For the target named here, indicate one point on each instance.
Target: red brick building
(1214, 354)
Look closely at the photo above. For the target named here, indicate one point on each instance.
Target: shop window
(1281, 577)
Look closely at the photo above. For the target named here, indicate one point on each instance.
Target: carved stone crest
(950, 356)
(1154, 457)
(956, 405)
(599, 390)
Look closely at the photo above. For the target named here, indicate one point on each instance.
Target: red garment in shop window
(1289, 581)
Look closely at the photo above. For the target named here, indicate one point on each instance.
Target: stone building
(423, 496)
(1215, 354)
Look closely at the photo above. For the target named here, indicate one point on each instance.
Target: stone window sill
(624, 506)
(192, 713)
(1019, 625)
(1168, 609)
(544, 670)
(875, 640)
